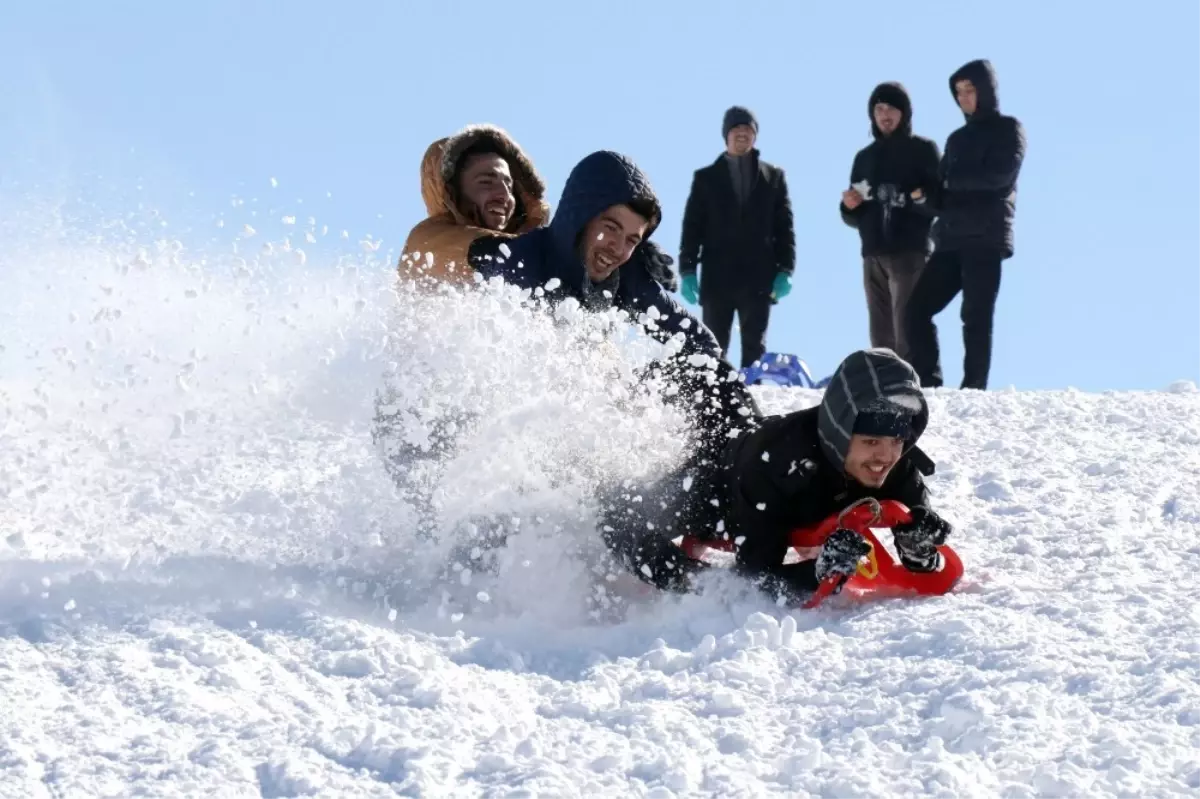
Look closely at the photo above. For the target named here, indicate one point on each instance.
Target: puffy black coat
(789, 472)
(891, 223)
(978, 198)
(737, 246)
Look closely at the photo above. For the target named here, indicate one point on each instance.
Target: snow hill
(209, 585)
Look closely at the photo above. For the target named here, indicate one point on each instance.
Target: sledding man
(792, 471)
(597, 250)
(478, 182)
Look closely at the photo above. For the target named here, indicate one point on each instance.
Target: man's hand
(917, 195)
(917, 541)
(851, 199)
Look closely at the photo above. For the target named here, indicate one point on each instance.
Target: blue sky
(182, 106)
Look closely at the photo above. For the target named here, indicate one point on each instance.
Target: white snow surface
(209, 584)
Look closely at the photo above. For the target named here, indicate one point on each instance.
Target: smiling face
(485, 190)
(887, 118)
(609, 239)
(870, 459)
(740, 139)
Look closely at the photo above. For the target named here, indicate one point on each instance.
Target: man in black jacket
(973, 233)
(888, 202)
(738, 224)
(791, 471)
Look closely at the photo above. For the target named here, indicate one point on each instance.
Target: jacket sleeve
(717, 400)
(850, 217)
(693, 228)
(1001, 163)
(438, 249)
(929, 181)
(784, 229)
(501, 256)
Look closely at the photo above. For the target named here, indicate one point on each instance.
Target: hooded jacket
(599, 181)
(890, 222)
(446, 233)
(532, 261)
(790, 472)
(979, 172)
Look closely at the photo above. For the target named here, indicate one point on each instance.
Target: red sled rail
(878, 574)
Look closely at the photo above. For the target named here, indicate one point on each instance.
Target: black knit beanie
(737, 115)
(884, 419)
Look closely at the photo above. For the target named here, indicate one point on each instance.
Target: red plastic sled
(879, 575)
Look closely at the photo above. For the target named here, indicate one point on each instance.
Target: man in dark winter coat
(597, 250)
(888, 202)
(973, 233)
(738, 225)
(791, 471)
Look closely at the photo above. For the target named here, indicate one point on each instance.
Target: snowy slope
(209, 584)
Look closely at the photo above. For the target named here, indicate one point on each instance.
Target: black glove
(917, 541)
(657, 264)
(841, 554)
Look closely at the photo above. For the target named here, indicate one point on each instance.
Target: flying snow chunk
(274, 183)
(553, 283)
(248, 231)
(289, 220)
(505, 251)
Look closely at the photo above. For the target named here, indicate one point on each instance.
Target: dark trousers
(889, 281)
(753, 310)
(639, 522)
(976, 273)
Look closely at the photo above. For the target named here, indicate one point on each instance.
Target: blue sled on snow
(781, 369)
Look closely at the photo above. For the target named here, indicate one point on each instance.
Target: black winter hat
(894, 94)
(882, 417)
(737, 115)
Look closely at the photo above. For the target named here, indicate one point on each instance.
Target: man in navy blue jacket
(597, 250)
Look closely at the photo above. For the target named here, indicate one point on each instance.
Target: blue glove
(782, 286)
(691, 289)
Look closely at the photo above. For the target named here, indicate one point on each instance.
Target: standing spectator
(888, 203)
(738, 224)
(973, 233)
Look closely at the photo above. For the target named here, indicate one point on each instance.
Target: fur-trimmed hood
(442, 159)
(436, 248)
